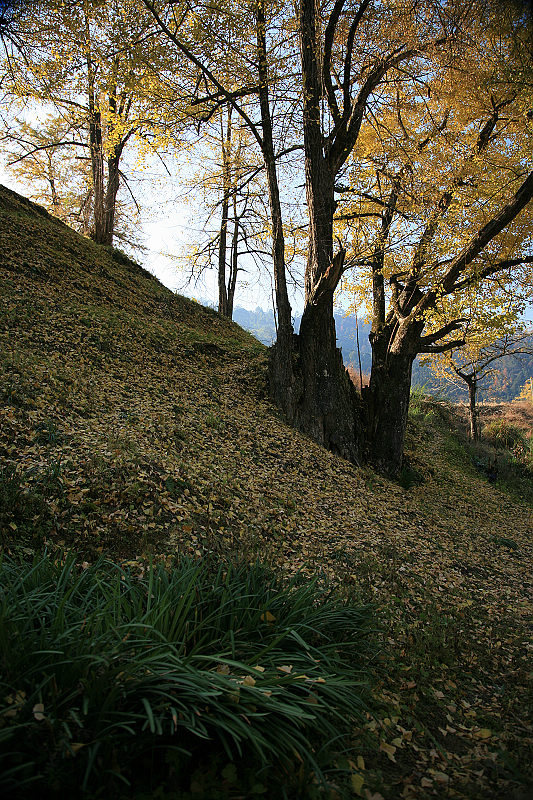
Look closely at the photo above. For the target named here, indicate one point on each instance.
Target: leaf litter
(136, 423)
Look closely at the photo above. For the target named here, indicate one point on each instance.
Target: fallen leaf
(388, 749)
(357, 783)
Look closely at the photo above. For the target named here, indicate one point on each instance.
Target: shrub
(105, 672)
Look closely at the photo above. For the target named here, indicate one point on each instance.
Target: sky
(171, 224)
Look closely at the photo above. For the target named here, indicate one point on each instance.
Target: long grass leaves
(102, 670)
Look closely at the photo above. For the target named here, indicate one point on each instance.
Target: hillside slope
(134, 421)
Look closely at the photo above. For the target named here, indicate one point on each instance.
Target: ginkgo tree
(47, 157)
(494, 331)
(416, 136)
(436, 205)
(410, 124)
(241, 64)
(97, 68)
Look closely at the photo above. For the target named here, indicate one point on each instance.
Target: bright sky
(171, 226)
(166, 234)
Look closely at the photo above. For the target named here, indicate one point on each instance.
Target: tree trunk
(110, 207)
(387, 400)
(282, 385)
(222, 245)
(328, 405)
(96, 150)
(328, 408)
(232, 282)
(97, 170)
(472, 409)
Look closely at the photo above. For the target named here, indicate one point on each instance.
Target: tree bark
(472, 409)
(387, 397)
(282, 382)
(110, 203)
(97, 168)
(234, 266)
(390, 388)
(222, 244)
(328, 405)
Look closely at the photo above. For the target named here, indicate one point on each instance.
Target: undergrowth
(125, 676)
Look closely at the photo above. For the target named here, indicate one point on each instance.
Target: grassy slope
(138, 423)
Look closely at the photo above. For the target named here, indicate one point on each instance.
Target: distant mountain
(261, 324)
(504, 385)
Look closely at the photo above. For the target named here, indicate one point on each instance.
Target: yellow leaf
(286, 669)
(357, 783)
(397, 742)
(360, 762)
(389, 749)
(267, 617)
(249, 681)
(484, 733)
(440, 777)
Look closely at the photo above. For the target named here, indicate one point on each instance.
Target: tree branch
(442, 348)
(521, 198)
(205, 70)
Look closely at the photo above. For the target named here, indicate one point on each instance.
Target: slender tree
(229, 69)
(96, 65)
(474, 366)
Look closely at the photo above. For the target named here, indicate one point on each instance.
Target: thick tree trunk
(97, 170)
(387, 401)
(329, 408)
(328, 405)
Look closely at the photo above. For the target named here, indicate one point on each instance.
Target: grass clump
(502, 433)
(115, 677)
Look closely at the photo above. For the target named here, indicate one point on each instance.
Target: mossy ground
(136, 423)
